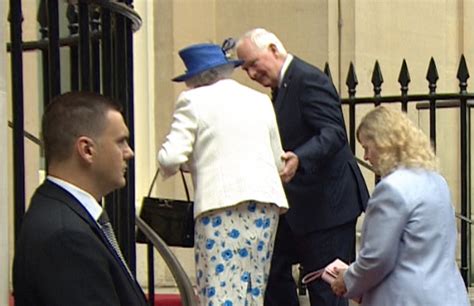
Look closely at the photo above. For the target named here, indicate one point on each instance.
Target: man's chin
(121, 183)
(264, 83)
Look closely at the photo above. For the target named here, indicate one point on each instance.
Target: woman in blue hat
(226, 135)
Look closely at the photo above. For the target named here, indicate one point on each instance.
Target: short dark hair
(72, 115)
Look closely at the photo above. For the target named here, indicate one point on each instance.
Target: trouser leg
(319, 249)
(281, 286)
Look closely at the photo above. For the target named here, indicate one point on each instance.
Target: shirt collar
(287, 62)
(89, 203)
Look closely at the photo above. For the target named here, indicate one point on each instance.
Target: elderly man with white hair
(324, 186)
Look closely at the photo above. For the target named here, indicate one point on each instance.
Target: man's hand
(338, 286)
(291, 165)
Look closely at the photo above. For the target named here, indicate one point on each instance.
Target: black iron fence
(431, 101)
(183, 283)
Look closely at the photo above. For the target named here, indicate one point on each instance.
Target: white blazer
(407, 255)
(227, 136)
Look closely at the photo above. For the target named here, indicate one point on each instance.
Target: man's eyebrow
(249, 62)
(124, 137)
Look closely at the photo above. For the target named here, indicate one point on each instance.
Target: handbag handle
(182, 177)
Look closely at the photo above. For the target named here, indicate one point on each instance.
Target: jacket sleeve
(386, 217)
(320, 107)
(178, 144)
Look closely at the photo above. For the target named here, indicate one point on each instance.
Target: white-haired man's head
(263, 55)
(262, 39)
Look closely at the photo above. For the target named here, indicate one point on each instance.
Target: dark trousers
(314, 251)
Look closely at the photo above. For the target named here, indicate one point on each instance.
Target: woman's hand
(338, 286)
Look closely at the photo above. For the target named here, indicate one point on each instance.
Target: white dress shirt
(83, 197)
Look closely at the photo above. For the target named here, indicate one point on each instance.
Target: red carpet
(167, 300)
(160, 300)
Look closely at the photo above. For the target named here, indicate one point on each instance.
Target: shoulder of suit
(51, 189)
(398, 176)
(403, 179)
(246, 89)
(225, 88)
(299, 68)
(204, 90)
(304, 64)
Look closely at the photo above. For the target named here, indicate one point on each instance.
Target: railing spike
(327, 71)
(351, 80)
(71, 14)
(463, 73)
(95, 18)
(404, 76)
(404, 79)
(377, 78)
(432, 75)
(42, 15)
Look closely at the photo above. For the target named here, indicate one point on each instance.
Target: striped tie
(106, 227)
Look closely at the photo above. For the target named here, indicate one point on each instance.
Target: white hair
(262, 38)
(210, 76)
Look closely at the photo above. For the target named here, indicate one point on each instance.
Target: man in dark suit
(63, 257)
(324, 186)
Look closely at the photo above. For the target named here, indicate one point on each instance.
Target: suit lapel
(285, 84)
(52, 190)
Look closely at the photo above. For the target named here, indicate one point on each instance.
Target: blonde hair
(397, 140)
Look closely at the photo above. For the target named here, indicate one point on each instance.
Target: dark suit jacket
(62, 258)
(328, 188)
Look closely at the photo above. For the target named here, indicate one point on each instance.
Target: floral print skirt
(233, 250)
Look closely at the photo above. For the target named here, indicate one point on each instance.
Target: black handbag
(172, 220)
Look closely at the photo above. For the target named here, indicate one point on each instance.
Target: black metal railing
(433, 100)
(101, 60)
(188, 297)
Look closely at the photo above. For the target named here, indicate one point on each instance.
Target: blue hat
(202, 57)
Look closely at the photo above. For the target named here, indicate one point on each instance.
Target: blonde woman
(407, 255)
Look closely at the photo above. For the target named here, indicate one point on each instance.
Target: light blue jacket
(407, 255)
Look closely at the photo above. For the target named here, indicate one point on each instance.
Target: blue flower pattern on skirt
(233, 248)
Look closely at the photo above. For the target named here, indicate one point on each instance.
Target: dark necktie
(106, 227)
(274, 94)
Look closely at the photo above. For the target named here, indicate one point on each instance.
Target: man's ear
(85, 148)
(274, 50)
